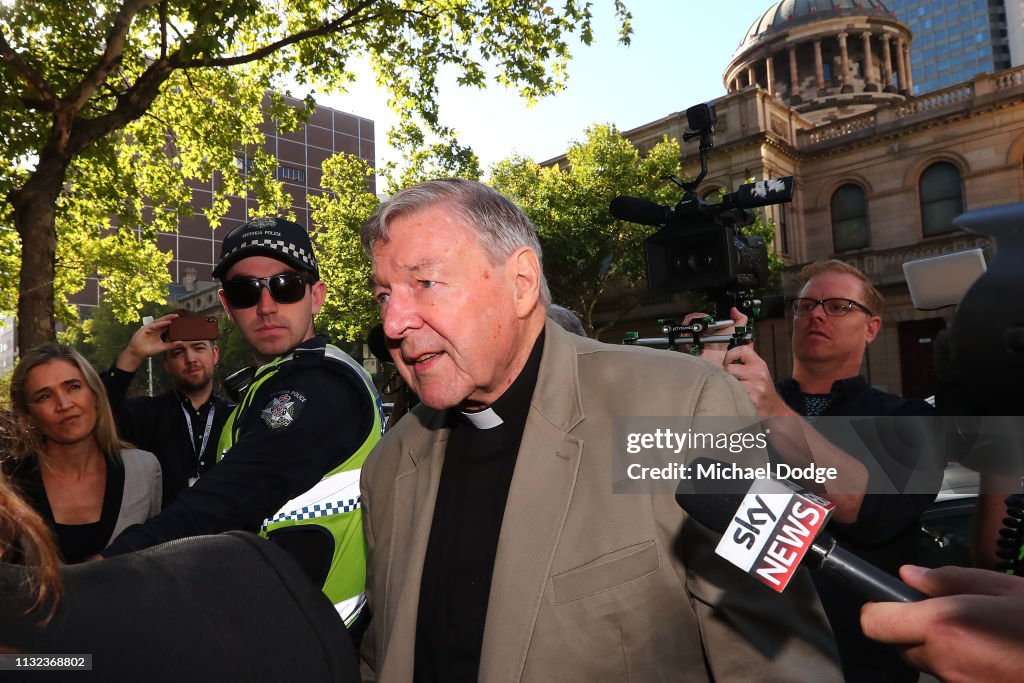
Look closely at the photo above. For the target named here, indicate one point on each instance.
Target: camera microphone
(773, 527)
(638, 210)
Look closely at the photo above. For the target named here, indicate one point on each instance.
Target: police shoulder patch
(283, 409)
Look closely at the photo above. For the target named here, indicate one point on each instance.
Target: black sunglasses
(245, 292)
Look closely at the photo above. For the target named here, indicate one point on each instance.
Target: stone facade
(976, 126)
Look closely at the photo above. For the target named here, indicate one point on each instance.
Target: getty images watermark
(901, 454)
(656, 454)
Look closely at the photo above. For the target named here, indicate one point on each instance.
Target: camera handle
(692, 333)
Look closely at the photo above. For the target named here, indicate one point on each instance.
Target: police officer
(292, 449)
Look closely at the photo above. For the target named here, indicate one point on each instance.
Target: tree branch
(28, 74)
(130, 105)
(112, 54)
(163, 29)
(350, 19)
(137, 99)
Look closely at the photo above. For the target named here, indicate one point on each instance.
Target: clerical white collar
(484, 419)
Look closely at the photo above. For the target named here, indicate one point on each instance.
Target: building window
(296, 175)
(942, 198)
(243, 164)
(289, 173)
(850, 227)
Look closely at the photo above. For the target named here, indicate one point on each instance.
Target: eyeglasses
(836, 308)
(245, 292)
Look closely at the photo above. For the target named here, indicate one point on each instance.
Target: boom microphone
(638, 210)
(768, 531)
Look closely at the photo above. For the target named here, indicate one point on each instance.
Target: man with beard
(181, 427)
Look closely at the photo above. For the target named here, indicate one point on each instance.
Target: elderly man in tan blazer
(497, 548)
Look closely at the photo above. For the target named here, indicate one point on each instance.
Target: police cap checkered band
(268, 236)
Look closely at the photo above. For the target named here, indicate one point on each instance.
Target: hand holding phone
(192, 328)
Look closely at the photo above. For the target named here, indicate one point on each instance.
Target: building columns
(819, 69)
(794, 77)
(901, 68)
(887, 62)
(870, 82)
(751, 80)
(769, 70)
(906, 69)
(847, 85)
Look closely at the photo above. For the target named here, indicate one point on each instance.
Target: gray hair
(568, 320)
(501, 226)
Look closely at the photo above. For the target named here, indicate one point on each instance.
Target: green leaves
(122, 109)
(349, 310)
(585, 249)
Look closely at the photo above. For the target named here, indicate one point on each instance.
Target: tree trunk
(35, 218)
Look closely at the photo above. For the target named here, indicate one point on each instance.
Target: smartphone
(192, 328)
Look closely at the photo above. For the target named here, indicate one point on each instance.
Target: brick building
(300, 155)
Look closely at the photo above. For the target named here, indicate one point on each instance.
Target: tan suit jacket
(588, 585)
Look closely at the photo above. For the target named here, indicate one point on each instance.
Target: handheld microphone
(638, 210)
(768, 531)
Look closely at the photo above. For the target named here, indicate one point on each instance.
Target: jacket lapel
(415, 495)
(538, 501)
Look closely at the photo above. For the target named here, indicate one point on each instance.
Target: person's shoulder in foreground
(209, 608)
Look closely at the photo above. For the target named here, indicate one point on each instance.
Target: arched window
(712, 195)
(942, 198)
(850, 227)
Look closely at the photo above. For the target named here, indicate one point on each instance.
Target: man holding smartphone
(180, 427)
(292, 449)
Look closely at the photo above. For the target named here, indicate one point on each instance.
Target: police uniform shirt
(478, 466)
(303, 421)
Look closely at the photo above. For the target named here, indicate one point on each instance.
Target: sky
(676, 59)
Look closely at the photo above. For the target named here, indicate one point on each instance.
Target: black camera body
(700, 245)
(704, 256)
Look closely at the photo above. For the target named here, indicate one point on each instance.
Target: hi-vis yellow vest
(333, 504)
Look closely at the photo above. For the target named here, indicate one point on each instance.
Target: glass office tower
(954, 39)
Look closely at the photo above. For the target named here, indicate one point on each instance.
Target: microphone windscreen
(711, 500)
(637, 210)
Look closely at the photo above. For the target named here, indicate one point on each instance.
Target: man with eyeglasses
(836, 314)
(291, 452)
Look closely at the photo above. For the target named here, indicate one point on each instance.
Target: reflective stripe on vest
(333, 503)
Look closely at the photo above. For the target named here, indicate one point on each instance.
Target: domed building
(827, 59)
(821, 91)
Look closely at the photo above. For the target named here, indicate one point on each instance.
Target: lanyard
(206, 431)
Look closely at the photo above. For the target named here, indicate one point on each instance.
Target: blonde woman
(86, 483)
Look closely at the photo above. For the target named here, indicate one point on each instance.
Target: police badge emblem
(283, 409)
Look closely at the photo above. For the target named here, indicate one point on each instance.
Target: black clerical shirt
(457, 569)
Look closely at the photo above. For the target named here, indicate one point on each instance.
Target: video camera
(700, 246)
